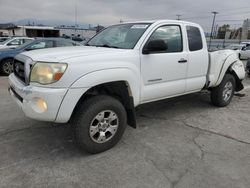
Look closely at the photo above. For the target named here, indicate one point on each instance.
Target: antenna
(178, 16)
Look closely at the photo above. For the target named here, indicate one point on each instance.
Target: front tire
(222, 94)
(99, 123)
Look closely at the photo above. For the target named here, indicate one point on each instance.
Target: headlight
(47, 73)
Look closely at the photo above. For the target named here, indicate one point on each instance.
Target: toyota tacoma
(97, 87)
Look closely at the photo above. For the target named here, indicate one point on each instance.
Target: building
(241, 33)
(246, 29)
(5, 29)
(46, 31)
(71, 31)
(222, 31)
(29, 31)
(37, 31)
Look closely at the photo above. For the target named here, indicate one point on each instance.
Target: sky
(106, 12)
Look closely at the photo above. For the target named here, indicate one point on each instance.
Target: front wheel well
(119, 90)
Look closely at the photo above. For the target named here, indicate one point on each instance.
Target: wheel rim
(104, 126)
(227, 91)
(8, 66)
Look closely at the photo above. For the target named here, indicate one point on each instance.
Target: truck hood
(62, 54)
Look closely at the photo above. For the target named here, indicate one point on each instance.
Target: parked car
(2, 39)
(98, 86)
(77, 39)
(14, 42)
(245, 53)
(85, 40)
(248, 67)
(245, 43)
(7, 55)
(238, 47)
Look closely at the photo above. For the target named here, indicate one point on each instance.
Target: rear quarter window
(194, 38)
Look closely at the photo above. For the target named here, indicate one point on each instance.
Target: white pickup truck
(97, 87)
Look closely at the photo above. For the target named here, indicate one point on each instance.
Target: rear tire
(222, 94)
(6, 66)
(99, 123)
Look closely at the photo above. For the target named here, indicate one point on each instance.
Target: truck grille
(19, 70)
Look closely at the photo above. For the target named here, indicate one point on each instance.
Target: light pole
(211, 34)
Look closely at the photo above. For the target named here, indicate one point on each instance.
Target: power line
(221, 15)
(237, 13)
(234, 9)
(237, 10)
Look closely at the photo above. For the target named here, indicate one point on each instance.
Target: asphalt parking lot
(181, 142)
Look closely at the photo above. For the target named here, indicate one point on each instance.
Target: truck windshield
(124, 36)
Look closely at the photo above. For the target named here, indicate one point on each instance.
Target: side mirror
(155, 46)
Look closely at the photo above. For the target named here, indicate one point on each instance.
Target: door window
(171, 35)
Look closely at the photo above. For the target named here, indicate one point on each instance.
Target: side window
(194, 38)
(41, 45)
(26, 40)
(171, 35)
(61, 43)
(49, 44)
(14, 42)
(38, 45)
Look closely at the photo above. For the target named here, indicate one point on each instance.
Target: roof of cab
(162, 21)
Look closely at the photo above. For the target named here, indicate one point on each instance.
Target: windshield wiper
(103, 45)
(106, 46)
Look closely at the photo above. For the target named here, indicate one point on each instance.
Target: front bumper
(26, 97)
(60, 102)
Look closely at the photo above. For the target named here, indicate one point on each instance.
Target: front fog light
(39, 105)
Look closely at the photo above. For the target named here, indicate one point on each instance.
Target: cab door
(164, 71)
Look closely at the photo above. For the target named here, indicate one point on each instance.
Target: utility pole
(211, 34)
(178, 16)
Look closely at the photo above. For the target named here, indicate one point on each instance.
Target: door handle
(182, 60)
